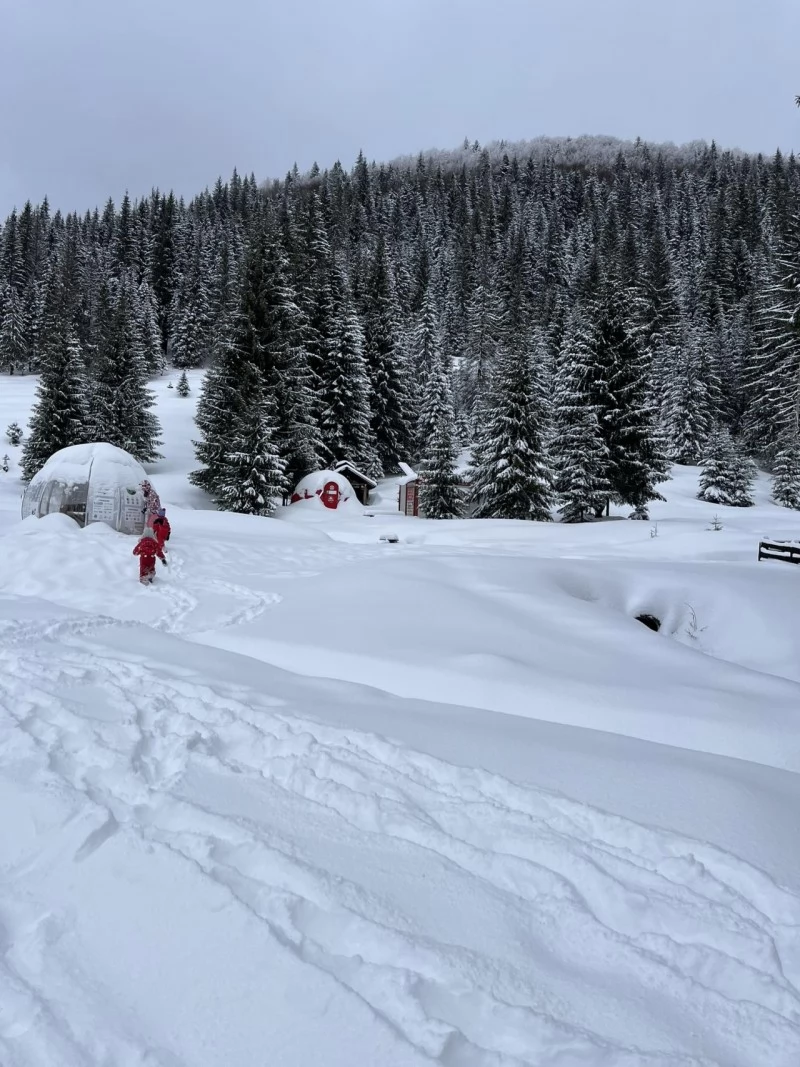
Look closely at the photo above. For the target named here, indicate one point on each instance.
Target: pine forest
(574, 317)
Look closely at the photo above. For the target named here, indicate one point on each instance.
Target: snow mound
(325, 489)
(95, 482)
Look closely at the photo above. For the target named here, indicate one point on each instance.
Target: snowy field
(318, 799)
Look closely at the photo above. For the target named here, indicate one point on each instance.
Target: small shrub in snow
(183, 385)
(14, 433)
(5, 464)
(693, 629)
(715, 523)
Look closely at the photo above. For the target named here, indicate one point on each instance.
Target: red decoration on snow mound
(327, 488)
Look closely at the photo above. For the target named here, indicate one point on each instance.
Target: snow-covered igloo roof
(310, 488)
(95, 482)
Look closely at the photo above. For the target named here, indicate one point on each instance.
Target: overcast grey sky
(103, 95)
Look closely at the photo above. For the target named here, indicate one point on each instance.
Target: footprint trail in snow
(479, 923)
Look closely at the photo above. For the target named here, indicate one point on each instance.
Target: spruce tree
(386, 367)
(441, 495)
(637, 458)
(786, 473)
(121, 402)
(190, 317)
(580, 456)
(346, 415)
(484, 331)
(687, 414)
(744, 475)
(273, 332)
(14, 433)
(425, 349)
(60, 416)
(727, 473)
(146, 313)
(13, 331)
(511, 477)
(252, 472)
(183, 385)
(221, 405)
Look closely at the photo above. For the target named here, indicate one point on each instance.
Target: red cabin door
(330, 495)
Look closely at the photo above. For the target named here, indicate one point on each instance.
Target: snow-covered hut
(408, 488)
(362, 483)
(95, 482)
(328, 489)
(408, 491)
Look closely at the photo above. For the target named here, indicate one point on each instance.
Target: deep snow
(319, 798)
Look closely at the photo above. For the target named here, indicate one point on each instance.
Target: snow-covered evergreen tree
(744, 476)
(484, 332)
(441, 495)
(13, 329)
(121, 402)
(786, 472)
(580, 456)
(146, 313)
(14, 433)
(511, 477)
(183, 385)
(727, 473)
(386, 367)
(190, 337)
(221, 405)
(346, 414)
(688, 415)
(637, 458)
(252, 474)
(60, 415)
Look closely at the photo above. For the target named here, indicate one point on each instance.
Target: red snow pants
(147, 568)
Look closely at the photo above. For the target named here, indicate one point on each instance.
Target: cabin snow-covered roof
(409, 474)
(346, 465)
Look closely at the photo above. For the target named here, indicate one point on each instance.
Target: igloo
(328, 488)
(90, 483)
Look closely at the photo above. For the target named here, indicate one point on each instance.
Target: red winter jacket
(162, 530)
(148, 548)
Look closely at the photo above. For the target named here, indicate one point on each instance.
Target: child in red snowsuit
(161, 528)
(147, 549)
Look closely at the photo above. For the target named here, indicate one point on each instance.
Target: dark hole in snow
(650, 621)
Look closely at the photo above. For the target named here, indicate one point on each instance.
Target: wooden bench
(788, 551)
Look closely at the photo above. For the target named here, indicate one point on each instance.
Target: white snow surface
(107, 464)
(316, 798)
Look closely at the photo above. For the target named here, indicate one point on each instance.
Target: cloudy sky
(103, 95)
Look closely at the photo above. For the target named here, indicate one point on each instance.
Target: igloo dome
(326, 488)
(96, 482)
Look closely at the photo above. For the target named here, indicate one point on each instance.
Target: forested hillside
(580, 314)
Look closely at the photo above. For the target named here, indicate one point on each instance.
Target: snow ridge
(593, 902)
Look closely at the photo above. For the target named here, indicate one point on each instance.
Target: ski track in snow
(589, 899)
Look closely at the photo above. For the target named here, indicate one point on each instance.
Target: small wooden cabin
(408, 487)
(408, 492)
(362, 483)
